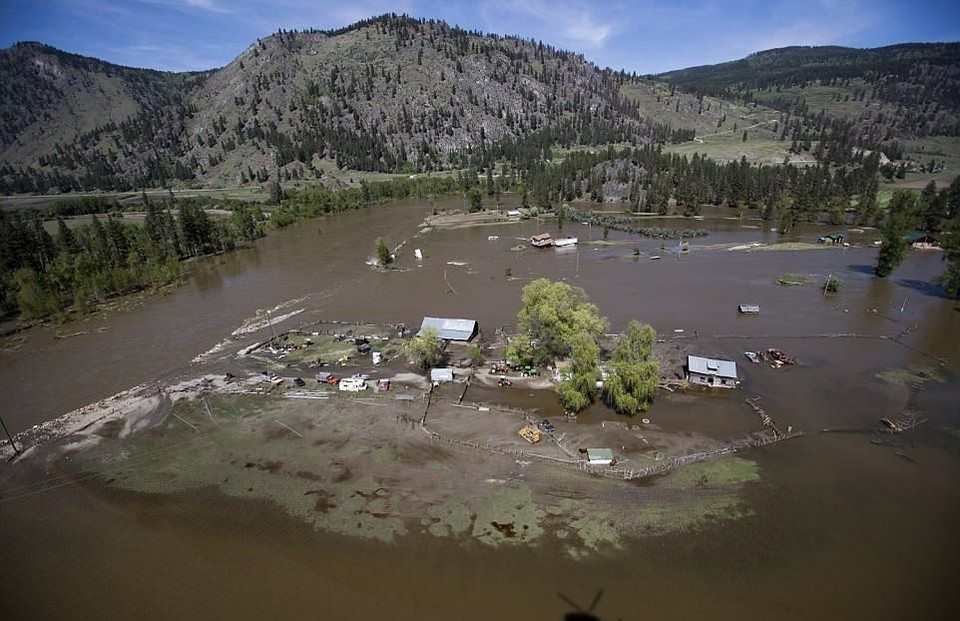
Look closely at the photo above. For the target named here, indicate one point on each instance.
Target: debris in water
(780, 358)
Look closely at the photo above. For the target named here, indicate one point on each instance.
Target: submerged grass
(338, 466)
(912, 375)
(690, 514)
(795, 280)
(791, 246)
(722, 472)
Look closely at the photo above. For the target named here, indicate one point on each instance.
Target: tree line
(46, 274)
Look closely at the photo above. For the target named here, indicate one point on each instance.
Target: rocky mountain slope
(389, 94)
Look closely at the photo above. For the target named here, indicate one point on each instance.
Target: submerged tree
(634, 374)
(383, 253)
(832, 284)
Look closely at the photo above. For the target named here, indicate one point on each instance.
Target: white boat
(418, 254)
(565, 241)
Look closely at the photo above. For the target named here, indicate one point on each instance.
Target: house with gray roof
(711, 372)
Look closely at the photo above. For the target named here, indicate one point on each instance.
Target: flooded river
(838, 527)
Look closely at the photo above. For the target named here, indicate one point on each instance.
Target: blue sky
(645, 36)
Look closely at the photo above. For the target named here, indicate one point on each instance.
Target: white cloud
(169, 56)
(212, 6)
(572, 23)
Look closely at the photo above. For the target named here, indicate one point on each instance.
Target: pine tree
(894, 245)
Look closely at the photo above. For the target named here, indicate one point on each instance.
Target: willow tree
(578, 392)
(634, 374)
(551, 315)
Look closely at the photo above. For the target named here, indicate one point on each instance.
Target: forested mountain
(387, 94)
(861, 97)
(396, 94)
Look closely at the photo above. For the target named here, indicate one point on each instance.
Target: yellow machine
(530, 433)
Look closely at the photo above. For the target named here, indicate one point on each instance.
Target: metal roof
(450, 329)
(914, 236)
(709, 366)
(599, 454)
(441, 375)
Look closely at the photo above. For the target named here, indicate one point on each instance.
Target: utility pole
(16, 451)
(273, 335)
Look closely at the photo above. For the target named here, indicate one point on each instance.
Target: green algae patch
(508, 515)
(243, 451)
(722, 472)
(383, 455)
(343, 466)
(450, 518)
(912, 375)
(596, 529)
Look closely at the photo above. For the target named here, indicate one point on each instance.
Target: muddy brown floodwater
(837, 526)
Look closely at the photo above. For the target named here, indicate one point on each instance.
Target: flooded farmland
(840, 522)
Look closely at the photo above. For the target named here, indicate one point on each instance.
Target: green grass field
(761, 147)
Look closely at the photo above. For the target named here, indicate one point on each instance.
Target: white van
(353, 384)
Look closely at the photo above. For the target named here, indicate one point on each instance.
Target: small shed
(599, 456)
(438, 376)
(711, 372)
(833, 238)
(451, 329)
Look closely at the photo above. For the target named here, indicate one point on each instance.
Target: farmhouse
(710, 372)
(543, 240)
(462, 330)
(921, 240)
